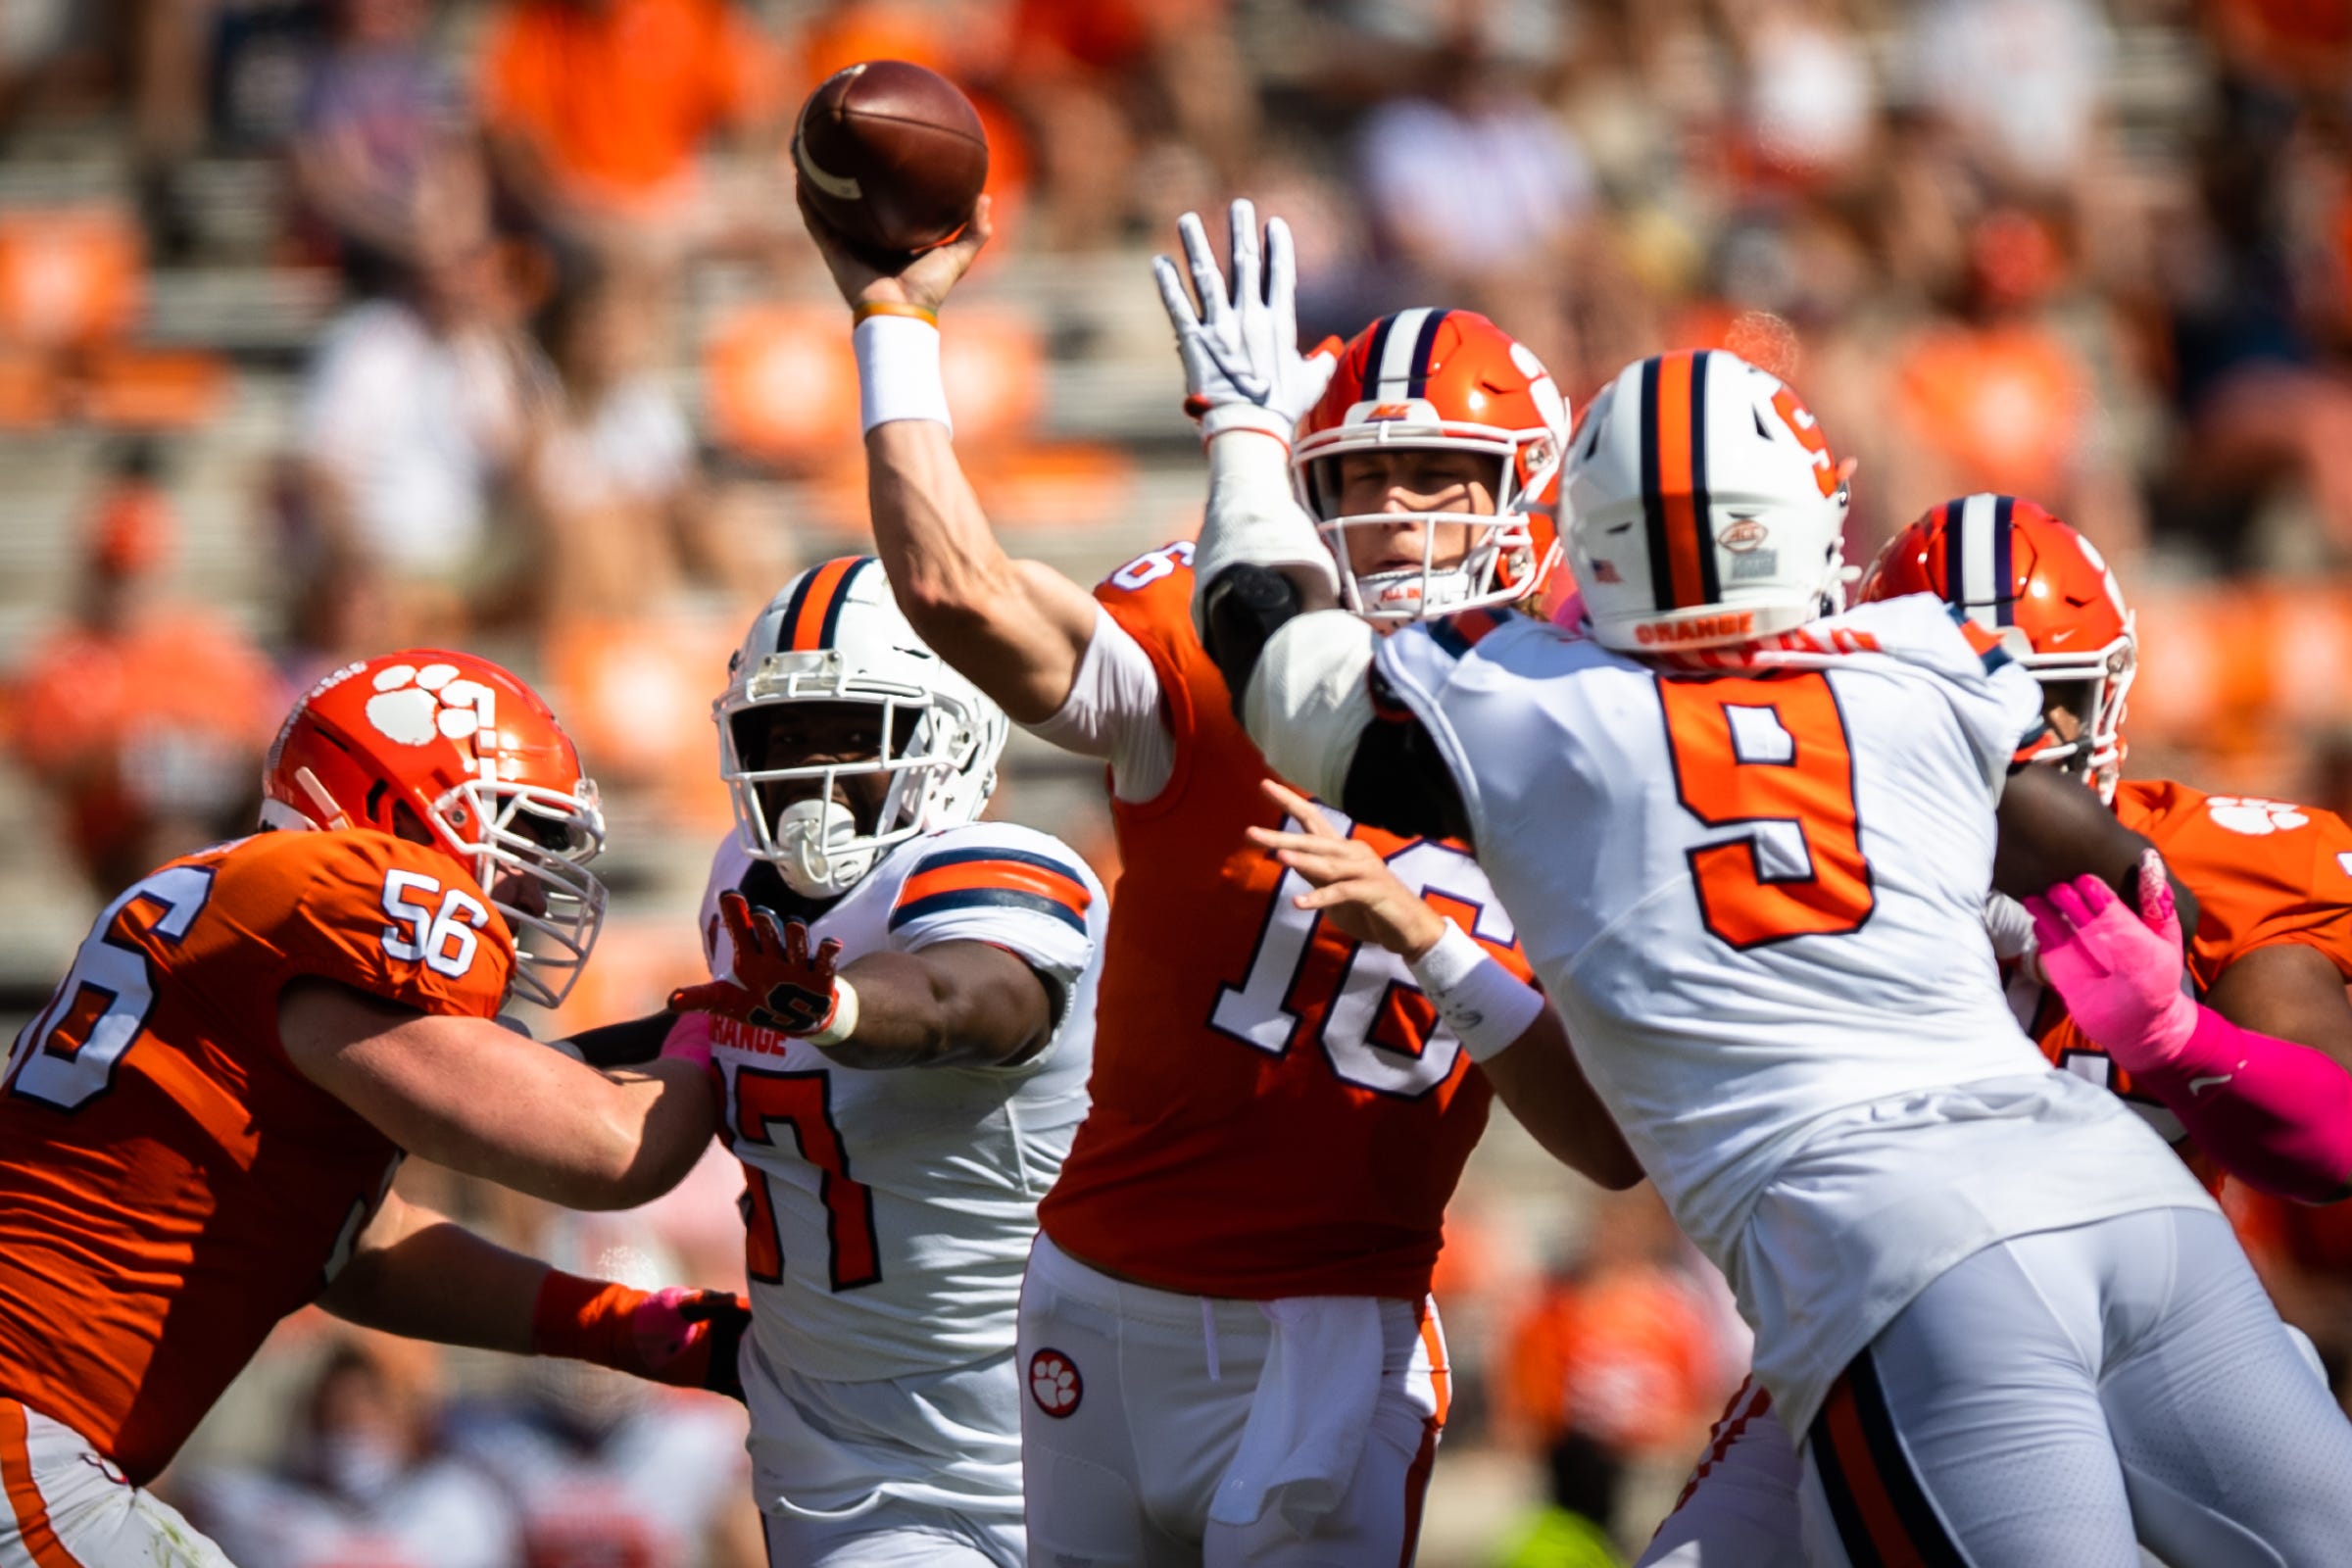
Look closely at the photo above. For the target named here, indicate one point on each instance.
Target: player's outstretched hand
(688, 1338)
(1351, 883)
(923, 282)
(1240, 344)
(2118, 970)
(780, 983)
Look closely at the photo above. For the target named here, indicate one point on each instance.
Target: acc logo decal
(411, 706)
(2248, 814)
(1743, 535)
(1055, 1384)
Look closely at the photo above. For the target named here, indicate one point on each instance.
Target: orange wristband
(870, 309)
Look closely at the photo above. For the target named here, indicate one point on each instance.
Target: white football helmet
(1705, 507)
(835, 635)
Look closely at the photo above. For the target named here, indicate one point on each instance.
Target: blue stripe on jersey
(986, 897)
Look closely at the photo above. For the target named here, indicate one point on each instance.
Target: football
(890, 155)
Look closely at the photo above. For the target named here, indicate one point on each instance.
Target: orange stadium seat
(68, 276)
(781, 384)
(2005, 403)
(33, 394)
(636, 696)
(153, 388)
(2241, 675)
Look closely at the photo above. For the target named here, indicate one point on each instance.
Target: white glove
(1242, 365)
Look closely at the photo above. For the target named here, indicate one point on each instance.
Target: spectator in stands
(412, 421)
(362, 1477)
(1616, 1360)
(596, 109)
(2263, 395)
(339, 609)
(609, 480)
(1475, 190)
(382, 138)
(1999, 393)
(1139, 109)
(144, 718)
(2023, 80)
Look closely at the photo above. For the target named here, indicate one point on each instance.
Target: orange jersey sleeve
(2263, 873)
(171, 1186)
(1276, 1109)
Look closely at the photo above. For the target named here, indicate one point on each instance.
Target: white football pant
(892, 1534)
(2144, 1389)
(69, 1507)
(1165, 1430)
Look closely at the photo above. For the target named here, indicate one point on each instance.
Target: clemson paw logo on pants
(1055, 1384)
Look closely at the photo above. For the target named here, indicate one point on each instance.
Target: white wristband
(897, 372)
(843, 1022)
(1484, 1004)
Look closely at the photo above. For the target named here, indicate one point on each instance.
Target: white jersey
(890, 1212)
(1757, 898)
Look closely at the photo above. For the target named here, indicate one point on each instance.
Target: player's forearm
(2053, 829)
(637, 1137)
(941, 1008)
(2277, 1116)
(1538, 1081)
(982, 611)
(424, 1277)
(1518, 1040)
(466, 1094)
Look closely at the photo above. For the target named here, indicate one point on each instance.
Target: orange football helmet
(2012, 567)
(1449, 379)
(479, 759)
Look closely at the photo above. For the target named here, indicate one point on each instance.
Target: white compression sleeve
(1310, 699)
(1115, 711)
(1254, 516)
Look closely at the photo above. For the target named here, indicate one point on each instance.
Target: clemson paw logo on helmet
(413, 705)
(1055, 1384)
(2245, 814)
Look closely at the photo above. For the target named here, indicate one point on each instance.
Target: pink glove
(2118, 972)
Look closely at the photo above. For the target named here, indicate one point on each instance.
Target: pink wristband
(689, 1038)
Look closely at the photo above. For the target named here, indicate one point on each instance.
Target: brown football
(892, 155)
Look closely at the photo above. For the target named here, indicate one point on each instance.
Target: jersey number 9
(1770, 754)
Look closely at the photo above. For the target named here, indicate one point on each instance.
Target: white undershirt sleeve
(1115, 711)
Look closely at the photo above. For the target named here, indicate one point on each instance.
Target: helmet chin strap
(818, 861)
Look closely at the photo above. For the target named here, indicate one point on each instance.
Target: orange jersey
(1276, 1109)
(171, 1185)
(2263, 873)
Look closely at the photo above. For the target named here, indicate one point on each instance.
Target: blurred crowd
(564, 396)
